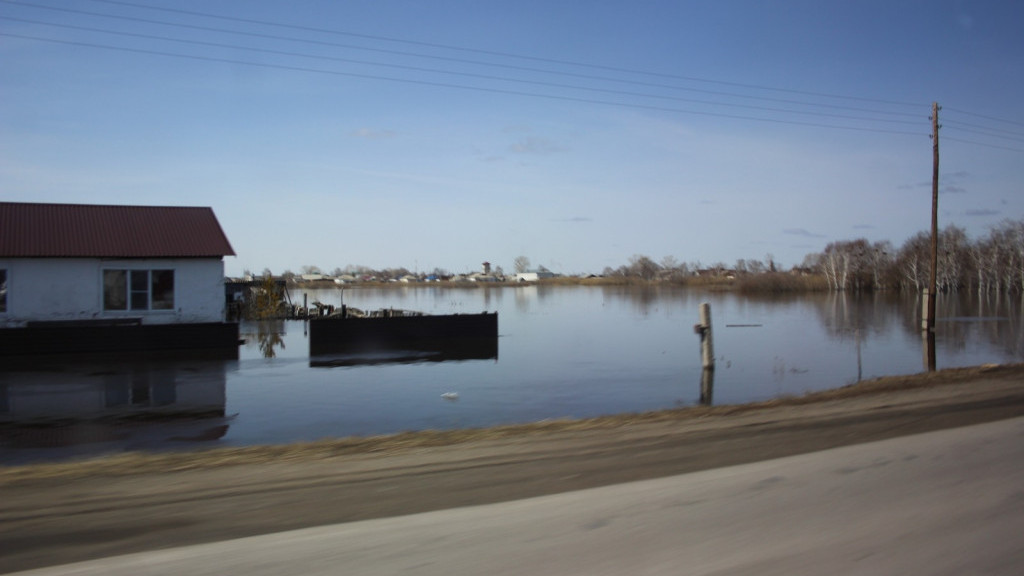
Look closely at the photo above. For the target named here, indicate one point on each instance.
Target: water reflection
(565, 352)
(928, 346)
(75, 407)
(965, 323)
(267, 335)
(441, 351)
(707, 386)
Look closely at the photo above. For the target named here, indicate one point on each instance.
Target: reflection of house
(113, 390)
(534, 275)
(97, 408)
(87, 278)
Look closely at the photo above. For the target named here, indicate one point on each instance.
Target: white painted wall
(72, 289)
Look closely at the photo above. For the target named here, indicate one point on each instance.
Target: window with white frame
(138, 290)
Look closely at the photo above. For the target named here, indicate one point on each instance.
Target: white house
(534, 275)
(75, 265)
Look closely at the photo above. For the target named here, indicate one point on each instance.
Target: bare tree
(521, 264)
(880, 259)
(642, 267)
(1008, 240)
(913, 260)
(952, 256)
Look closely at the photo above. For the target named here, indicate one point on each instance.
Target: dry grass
(138, 463)
(776, 282)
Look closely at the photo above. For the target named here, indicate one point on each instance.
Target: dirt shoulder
(53, 514)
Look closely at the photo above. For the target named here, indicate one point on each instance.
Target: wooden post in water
(703, 329)
(707, 386)
(707, 355)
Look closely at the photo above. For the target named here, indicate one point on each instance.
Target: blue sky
(445, 133)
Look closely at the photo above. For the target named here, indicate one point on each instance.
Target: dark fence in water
(344, 340)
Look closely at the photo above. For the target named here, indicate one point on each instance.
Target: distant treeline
(994, 263)
(991, 263)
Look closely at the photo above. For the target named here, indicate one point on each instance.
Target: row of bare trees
(991, 263)
(670, 268)
(994, 263)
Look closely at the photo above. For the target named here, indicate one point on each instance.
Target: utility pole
(928, 322)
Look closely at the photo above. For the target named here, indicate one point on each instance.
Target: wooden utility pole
(928, 322)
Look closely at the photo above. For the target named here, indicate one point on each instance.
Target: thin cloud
(372, 134)
(802, 232)
(533, 145)
(983, 212)
(955, 176)
(574, 219)
(863, 227)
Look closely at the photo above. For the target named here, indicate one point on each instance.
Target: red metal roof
(29, 230)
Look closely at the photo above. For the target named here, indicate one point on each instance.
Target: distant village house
(534, 275)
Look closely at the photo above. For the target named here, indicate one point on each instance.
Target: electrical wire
(959, 111)
(466, 61)
(947, 139)
(954, 125)
(493, 53)
(463, 74)
(450, 85)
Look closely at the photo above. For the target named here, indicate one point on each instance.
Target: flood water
(563, 352)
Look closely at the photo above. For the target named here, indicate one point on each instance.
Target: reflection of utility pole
(860, 370)
(928, 322)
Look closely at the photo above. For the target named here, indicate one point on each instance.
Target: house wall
(72, 289)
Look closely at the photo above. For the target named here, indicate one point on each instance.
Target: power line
(966, 127)
(477, 51)
(498, 53)
(449, 85)
(1016, 138)
(466, 61)
(464, 74)
(980, 127)
(984, 116)
(948, 139)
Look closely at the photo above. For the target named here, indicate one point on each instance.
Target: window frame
(139, 290)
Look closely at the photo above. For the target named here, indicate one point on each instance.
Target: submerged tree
(266, 299)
